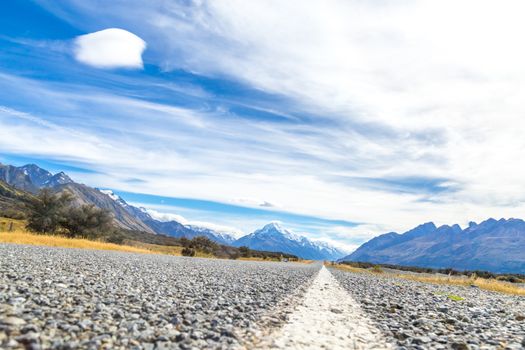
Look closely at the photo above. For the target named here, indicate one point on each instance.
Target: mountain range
(17, 183)
(492, 245)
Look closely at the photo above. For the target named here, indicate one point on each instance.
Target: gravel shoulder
(417, 315)
(68, 298)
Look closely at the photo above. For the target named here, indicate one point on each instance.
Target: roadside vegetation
(513, 278)
(53, 219)
(472, 280)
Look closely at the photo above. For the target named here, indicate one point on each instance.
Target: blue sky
(340, 119)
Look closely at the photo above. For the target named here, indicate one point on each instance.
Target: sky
(341, 119)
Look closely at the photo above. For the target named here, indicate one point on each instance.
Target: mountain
(493, 245)
(170, 228)
(83, 194)
(218, 236)
(178, 230)
(18, 177)
(36, 175)
(274, 238)
(31, 177)
(56, 180)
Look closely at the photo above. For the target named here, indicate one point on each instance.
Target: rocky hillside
(493, 245)
(11, 199)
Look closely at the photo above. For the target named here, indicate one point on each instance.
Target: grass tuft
(455, 297)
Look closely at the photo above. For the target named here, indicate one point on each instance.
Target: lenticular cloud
(110, 48)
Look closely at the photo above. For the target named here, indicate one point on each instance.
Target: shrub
(13, 214)
(245, 252)
(204, 244)
(46, 211)
(87, 221)
(188, 252)
(116, 237)
(377, 269)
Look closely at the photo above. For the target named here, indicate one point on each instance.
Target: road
(67, 298)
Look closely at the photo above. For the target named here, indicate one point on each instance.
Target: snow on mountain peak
(275, 227)
(114, 196)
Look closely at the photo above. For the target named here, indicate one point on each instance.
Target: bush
(188, 252)
(87, 221)
(116, 237)
(204, 244)
(11, 213)
(46, 211)
(245, 252)
(377, 269)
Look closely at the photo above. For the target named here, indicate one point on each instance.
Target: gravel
(415, 315)
(67, 298)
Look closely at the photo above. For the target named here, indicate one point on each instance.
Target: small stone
(12, 321)
(401, 335)
(450, 321)
(443, 309)
(421, 340)
(460, 346)
(29, 328)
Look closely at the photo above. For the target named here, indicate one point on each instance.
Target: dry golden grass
(166, 249)
(160, 249)
(483, 283)
(300, 261)
(11, 224)
(256, 259)
(487, 284)
(23, 237)
(348, 268)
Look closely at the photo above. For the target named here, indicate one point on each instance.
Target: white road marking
(327, 318)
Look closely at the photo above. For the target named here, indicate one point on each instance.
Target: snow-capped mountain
(170, 227)
(31, 177)
(37, 175)
(58, 179)
(275, 238)
(218, 236)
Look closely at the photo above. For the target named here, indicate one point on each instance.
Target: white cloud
(161, 216)
(110, 48)
(254, 202)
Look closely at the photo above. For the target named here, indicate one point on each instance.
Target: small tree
(204, 244)
(87, 221)
(245, 252)
(46, 210)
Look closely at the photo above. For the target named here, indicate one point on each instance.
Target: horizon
(149, 202)
(391, 123)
